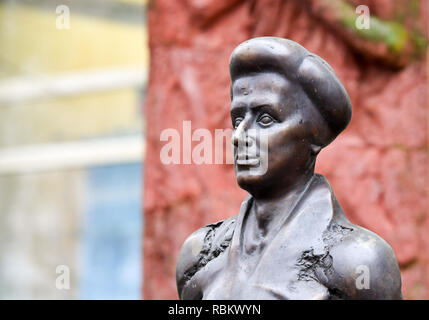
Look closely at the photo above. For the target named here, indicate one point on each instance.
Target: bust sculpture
(291, 238)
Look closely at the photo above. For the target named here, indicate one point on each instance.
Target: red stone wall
(378, 167)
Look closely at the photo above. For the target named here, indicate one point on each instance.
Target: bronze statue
(291, 239)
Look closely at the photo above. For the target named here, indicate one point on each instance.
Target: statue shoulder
(365, 266)
(200, 247)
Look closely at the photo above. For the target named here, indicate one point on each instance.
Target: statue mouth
(244, 160)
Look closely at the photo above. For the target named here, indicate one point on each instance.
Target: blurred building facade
(72, 82)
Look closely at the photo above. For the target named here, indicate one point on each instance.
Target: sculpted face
(273, 124)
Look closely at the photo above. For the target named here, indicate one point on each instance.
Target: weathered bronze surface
(291, 239)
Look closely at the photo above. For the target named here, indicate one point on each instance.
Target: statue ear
(315, 149)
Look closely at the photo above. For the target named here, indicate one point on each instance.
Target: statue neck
(269, 211)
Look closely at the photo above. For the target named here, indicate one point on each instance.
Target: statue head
(286, 105)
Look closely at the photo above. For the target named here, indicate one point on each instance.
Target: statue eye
(265, 120)
(237, 122)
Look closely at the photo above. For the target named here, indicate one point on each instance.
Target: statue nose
(240, 137)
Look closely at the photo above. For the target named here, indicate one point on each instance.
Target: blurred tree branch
(204, 12)
(387, 40)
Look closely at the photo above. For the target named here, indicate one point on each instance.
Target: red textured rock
(378, 167)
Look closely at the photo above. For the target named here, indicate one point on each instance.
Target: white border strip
(71, 155)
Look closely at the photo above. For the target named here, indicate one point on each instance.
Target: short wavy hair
(297, 64)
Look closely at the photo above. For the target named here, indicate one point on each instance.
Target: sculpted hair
(291, 60)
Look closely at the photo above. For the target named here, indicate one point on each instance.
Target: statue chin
(251, 180)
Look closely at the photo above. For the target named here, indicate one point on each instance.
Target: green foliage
(391, 32)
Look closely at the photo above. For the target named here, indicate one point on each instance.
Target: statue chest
(269, 276)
